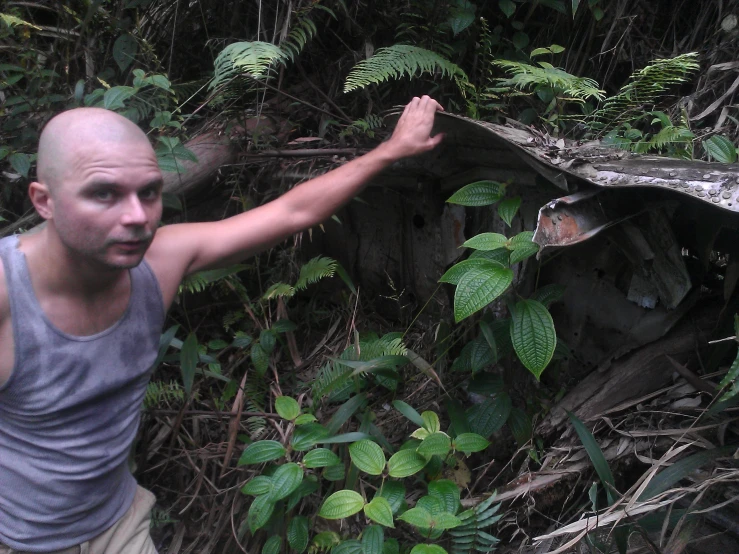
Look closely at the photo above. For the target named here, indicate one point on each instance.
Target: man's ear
(41, 198)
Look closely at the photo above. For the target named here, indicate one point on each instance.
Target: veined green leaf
(351, 546)
(20, 162)
(428, 549)
(125, 49)
(259, 512)
(304, 419)
(486, 241)
(507, 7)
(391, 546)
(507, 208)
(260, 359)
(307, 436)
(524, 251)
(436, 444)
(549, 294)
(478, 288)
(405, 463)
(447, 493)
(285, 480)
(372, 538)
(259, 485)
(298, 533)
(500, 255)
(287, 407)
(341, 504)
(261, 451)
(490, 416)
(533, 335)
(368, 457)
(431, 422)
(336, 472)
(379, 511)
(345, 411)
(470, 442)
(457, 271)
(480, 193)
(320, 457)
(418, 517)
(394, 493)
(520, 426)
(309, 485)
(114, 97)
(720, 149)
(445, 521)
(272, 545)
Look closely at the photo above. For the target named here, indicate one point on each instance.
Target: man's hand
(412, 133)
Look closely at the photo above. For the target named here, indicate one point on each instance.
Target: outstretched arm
(182, 249)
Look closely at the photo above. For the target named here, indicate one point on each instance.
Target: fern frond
(644, 88)
(197, 282)
(470, 537)
(161, 392)
(303, 30)
(315, 270)
(332, 380)
(255, 59)
(526, 77)
(365, 126)
(400, 60)
(279, 289)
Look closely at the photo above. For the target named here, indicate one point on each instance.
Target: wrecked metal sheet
(566, 163)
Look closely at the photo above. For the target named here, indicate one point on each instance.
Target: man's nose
(134, 212)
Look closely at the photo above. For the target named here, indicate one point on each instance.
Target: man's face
(107, 204)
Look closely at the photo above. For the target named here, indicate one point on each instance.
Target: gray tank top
(69, 414)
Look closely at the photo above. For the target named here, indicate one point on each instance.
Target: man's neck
(60, 271)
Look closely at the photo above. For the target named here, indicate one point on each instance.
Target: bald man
(82, 304)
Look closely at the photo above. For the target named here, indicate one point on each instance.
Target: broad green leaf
(125, 49)
(188, 361)
(533, 335)
(336, 472)
(341, 504)
(500, 255)
(308, 486)
(447, 493)
(368, 457)
(20, 162)
(327, 539)
(420, 433)
(538, 52)
(372, 538)
(436, 444)
(486, 241)
(259, 512)
(418, 517)
(445, 521)
(549, 294)
(431, 422)
(457, 271)
(114, 97)
(273, 545)
(507, 7)
(260, 359)
(480, 193)
(478, 288)
(260, 452)
(520, 240)
(405, 463)
(285, 480)
(394, 493)
(520, 425)
(159, 81)
(287, 407)
(507, 208)
(379, 511)
(303, 419)
(720, 149)
(352, 546)
(470, 442)
(524, 251)
(408, 412)
(284, 326)
(489, 336)
(307, 436)
(428, 549)
(520, 40)
(490, 416)
(391, 546)
(267, 341)
(320, 457)
(298, 533)
(259, 485)
(461, 16)
(556, 49)
(596, 456)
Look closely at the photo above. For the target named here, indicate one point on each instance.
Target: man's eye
(103, 195)
(149, 194)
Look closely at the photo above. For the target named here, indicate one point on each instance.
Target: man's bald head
(70, 132)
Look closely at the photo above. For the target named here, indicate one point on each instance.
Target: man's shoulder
(4, 299)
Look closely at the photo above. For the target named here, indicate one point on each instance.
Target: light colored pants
(129, 535)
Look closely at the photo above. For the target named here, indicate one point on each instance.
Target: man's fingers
(435, 140)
